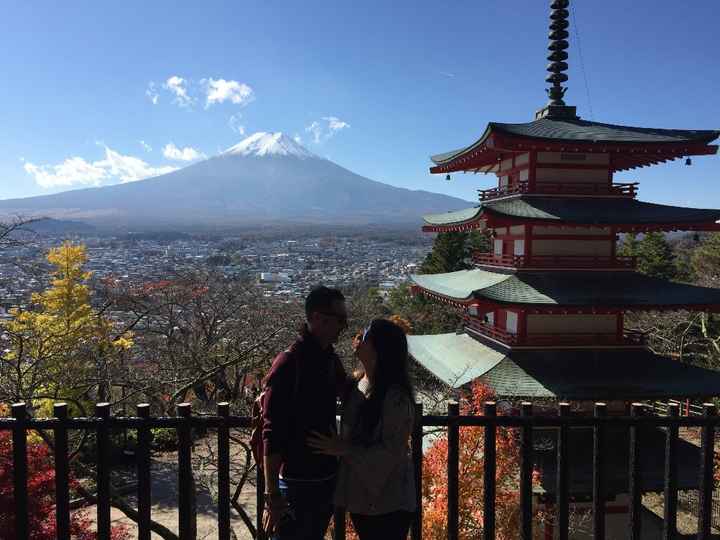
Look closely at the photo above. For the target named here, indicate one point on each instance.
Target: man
(301, 392)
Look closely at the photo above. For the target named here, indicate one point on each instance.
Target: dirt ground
(164, 502)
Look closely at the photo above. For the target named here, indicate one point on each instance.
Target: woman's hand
(330, 445)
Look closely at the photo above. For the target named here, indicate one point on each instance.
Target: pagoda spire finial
(558, 46)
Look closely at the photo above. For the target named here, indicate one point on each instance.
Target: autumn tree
(61, 347)
(200, 337)
(40, 496)
(470, 500)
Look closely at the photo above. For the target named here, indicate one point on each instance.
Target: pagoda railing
(562, 188)
(548, 339)
(491, 331)
(521, 418)
(586, 338)
(555, 261)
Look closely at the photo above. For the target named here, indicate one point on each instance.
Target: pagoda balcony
(573, 262)
(493, 332)
(562, 188)
(629, 338)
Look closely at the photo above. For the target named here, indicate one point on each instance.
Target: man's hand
(330, 445)
(276, 507)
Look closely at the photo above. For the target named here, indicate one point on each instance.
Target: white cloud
(152, 93)
(178, 86)
(335, 124)
(220, 90)
(315, 129)
(234, 123)
(297, 138)
(145, 146)
(130, 168)
(76, 171)
(182, 154)
(325, 128)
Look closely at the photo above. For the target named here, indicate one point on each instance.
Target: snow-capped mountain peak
(269, 144)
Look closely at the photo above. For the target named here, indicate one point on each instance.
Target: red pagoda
(544, 310)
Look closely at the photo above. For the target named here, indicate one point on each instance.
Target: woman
(376, 481)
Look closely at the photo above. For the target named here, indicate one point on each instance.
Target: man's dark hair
(321, 299)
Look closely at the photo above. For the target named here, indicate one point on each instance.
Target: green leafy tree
(705, 261)
(425, 316)
(629, 245)
(655, 256)
(453, 251)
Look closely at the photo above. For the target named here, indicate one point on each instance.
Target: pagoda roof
(572, 288)
(579, 210)
(586, 135)
(577, 374)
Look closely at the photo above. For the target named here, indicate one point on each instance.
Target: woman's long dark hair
(391, 346)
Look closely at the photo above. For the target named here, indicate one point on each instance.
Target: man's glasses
(341, 318)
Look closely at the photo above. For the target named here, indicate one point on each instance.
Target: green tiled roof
(452, 358)
(604, 374)
(457, 217)
(585, 131)
(599, 210)
(606, 289)
(586, 210)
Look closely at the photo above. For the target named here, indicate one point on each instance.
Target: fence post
(670, 506)
(706, 473)
(489, 467)
(144, 486)
(186, 485)
(259, 502)
(62, 482)
(20, 471)
(526, 467)
(635, 489)
(223, 450)
(339, 524)
(599, 474)
(102, 412)
(453, 471)
(417, 455)
(562, 474)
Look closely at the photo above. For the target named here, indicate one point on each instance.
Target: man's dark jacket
(298, 402)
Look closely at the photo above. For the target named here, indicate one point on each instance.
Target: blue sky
(376, 86)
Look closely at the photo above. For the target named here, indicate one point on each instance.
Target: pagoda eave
(454, 302)
(458, 359)
(572, 290)
(623, 156)
(555, 309)
(482, 223)
(622, 215)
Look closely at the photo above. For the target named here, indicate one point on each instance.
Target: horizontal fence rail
(562, 422)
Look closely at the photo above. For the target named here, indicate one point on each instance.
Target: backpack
(257, 445)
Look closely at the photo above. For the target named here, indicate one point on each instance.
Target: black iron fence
(103, 422)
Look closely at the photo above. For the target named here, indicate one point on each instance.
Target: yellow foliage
(62, 333)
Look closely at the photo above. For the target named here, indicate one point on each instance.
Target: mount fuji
(266, 178)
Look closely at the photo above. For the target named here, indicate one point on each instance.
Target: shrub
(41, 496)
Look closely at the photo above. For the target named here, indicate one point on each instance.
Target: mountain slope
(265, 178)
